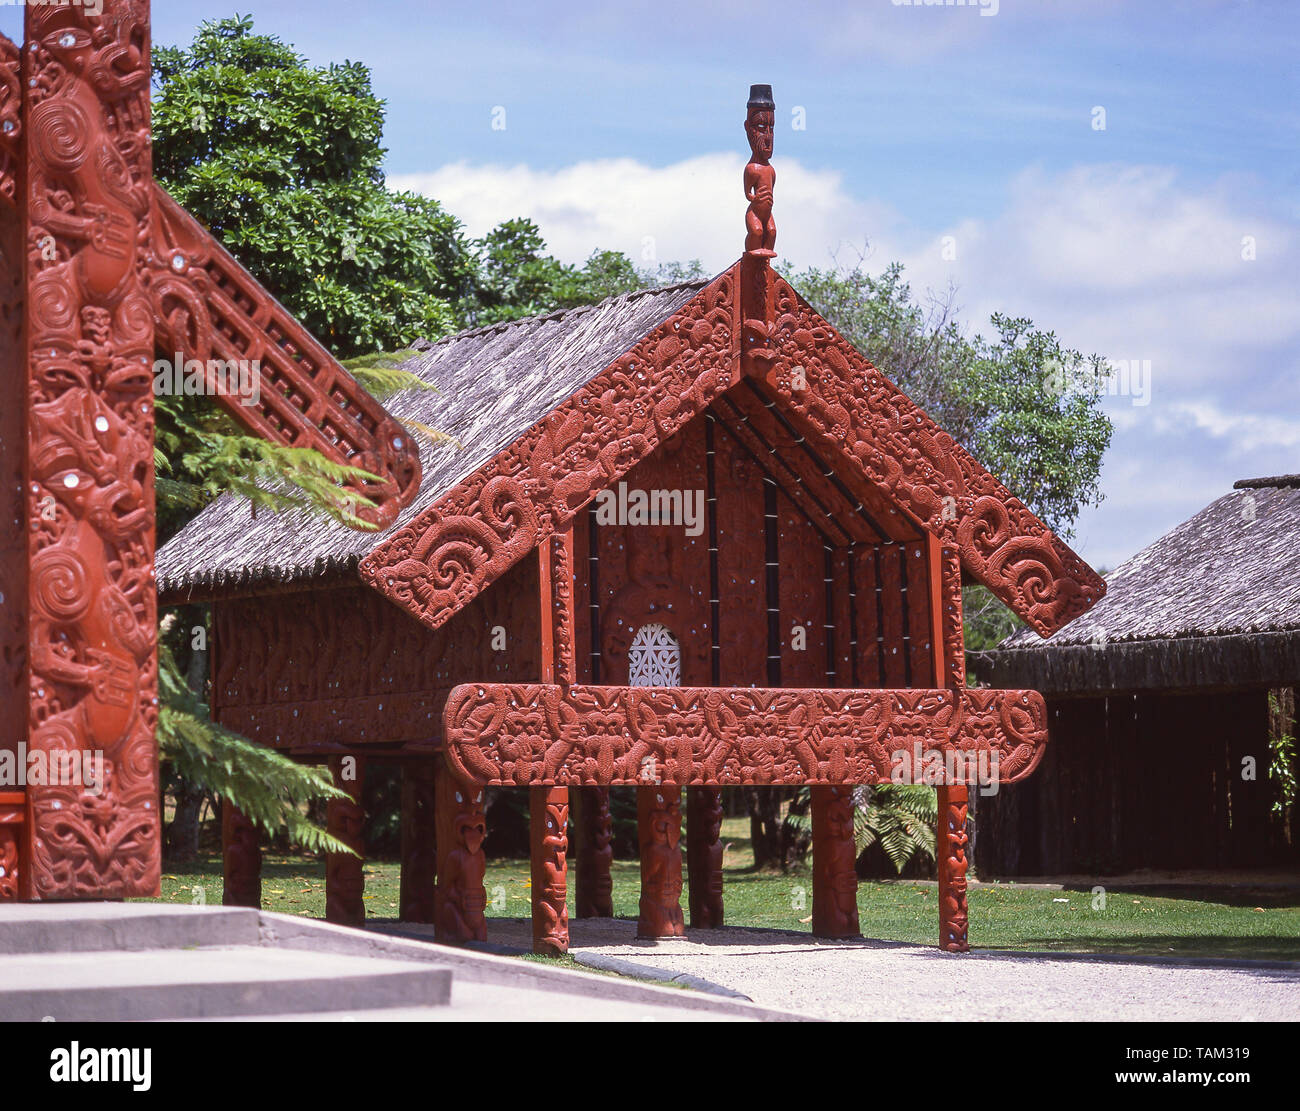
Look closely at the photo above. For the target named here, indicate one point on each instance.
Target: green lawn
(1003, 916)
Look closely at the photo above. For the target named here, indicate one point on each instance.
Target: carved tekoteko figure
(760, 177)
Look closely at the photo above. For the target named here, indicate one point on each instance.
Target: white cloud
(690, 209)
(1127, 261)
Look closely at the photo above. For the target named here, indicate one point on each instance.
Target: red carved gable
(882, 448)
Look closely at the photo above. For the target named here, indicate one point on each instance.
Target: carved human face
(758, 127)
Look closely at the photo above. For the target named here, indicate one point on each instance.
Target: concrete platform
(141, 962)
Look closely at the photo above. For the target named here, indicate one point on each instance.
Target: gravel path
(890, 981)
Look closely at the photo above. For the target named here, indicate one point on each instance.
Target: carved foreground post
(344, 882)
(90, 503)
(593, 833)
(951, 854)
(704, 855)
(241, 859)
(835, 880)
(659, 827)
(548, 810)
(461, 900)
(419, 844)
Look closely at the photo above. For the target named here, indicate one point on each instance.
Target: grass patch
(1135, 921)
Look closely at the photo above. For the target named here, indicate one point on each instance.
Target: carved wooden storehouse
(1171, 675)
(688, 538)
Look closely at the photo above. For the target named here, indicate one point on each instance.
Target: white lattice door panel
(655, 658)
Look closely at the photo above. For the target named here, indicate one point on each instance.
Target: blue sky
(931, 131)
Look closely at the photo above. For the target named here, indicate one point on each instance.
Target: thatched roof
(1214, 603)
(492, 384)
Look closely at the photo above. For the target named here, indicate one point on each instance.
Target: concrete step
(121, 927)
(209, 983)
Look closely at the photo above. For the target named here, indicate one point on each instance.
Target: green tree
(283, 161)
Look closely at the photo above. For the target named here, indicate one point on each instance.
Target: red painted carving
(535, 734)
(451, 551)
(76, 173)
(419, 843)
(704, 855)
(851, 409)
(946, 591)
(241, 857)
(90, 443)
(951, 854)
(760, 178)
(659, 828)
(208, 307)
(461, 900)
(594, 834)
(11, 828)
(549, 820)
(344, 881)
(835, 882)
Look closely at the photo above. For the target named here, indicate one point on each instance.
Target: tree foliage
(284, 162)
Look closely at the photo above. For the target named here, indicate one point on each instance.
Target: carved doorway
(655, 658)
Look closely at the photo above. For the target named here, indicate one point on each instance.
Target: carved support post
(951, 854)
(460, 904)
(950, 670)
(704, 855)
(344, 882)
(241, 859)
(548, 810)
(419, 843)
(659, 828)
(835, 880)
(593, 834)
(549, 806)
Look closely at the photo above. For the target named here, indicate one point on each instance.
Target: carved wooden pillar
(950, 668)
(659, 828)
(951, 854)
(419, 843)
(548, 809)
(89, 517)
(344, 883)
(241, 859)
(549, 806)
(460, 902)
(835, 880)
(593, 834)
(704, 855)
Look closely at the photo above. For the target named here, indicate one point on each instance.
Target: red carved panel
(549, 820)
(450, 552)
(802, 589)
(657, 572)
(946, 590)
(208, 307)
(849, 408)
(659, 827)
(705, 736)
(345, 667)
(915, 560)
(835, 881)
(742, 620)
(90, 504)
